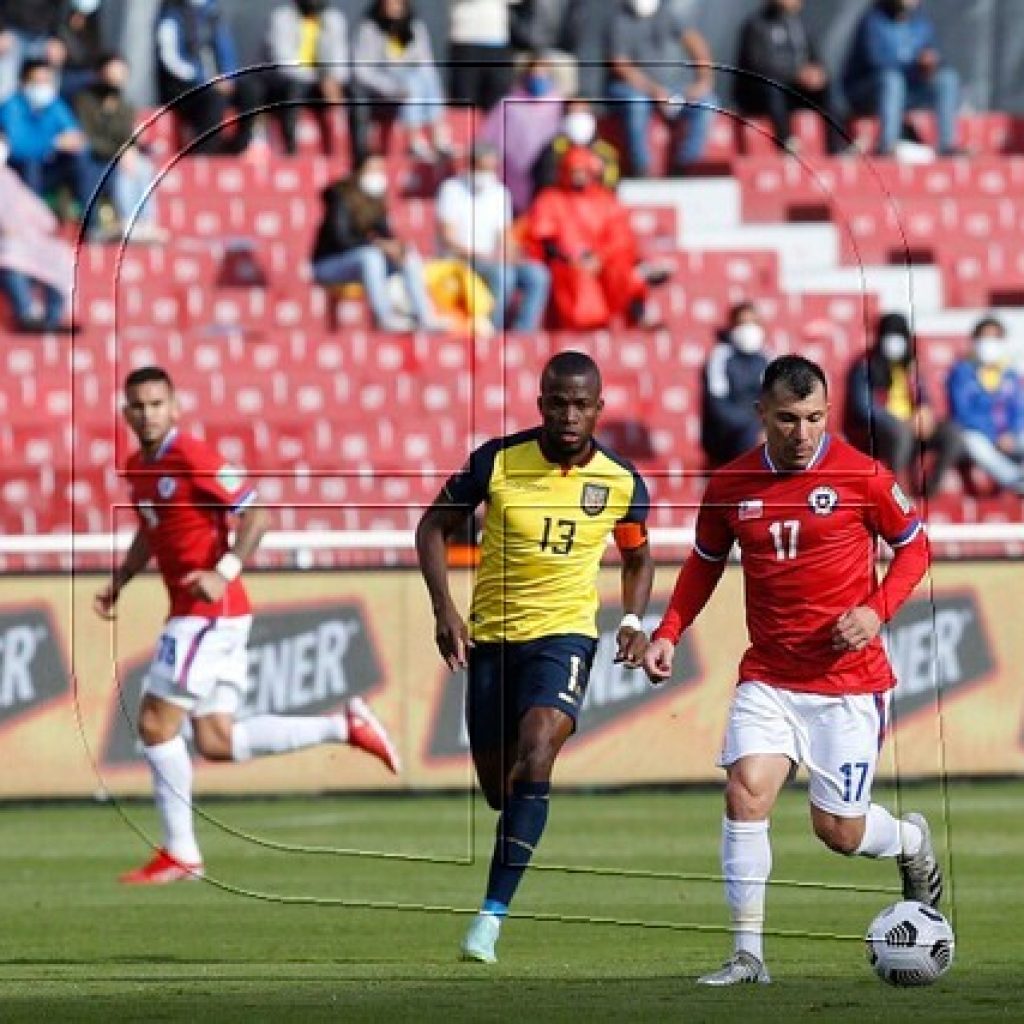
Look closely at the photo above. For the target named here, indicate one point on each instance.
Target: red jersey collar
(816, 458)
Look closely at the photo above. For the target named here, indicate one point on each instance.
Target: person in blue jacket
(986, 398)
(895, 66)
(731, 387)
(47, 147)
(198, 73)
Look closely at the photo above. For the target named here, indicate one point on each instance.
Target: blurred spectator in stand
(32, 256)
(28, 31)
(108, 120)
(732, 376)
(307, 44)
(986, 400)
(474, 217)
(895, 66)
(578, 128)
(784, 73)
(583, 233)
(47, 146)
(195, 51)
(521, 126)
(480, 51)
(659, 61)
(395, 69)
(355, 245)
(889, 414)
(79, 33)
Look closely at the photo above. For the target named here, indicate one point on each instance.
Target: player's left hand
(631, 647)
(206, 583)
(855, 629)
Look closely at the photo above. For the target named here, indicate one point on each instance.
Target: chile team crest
(594, 499)
(823, 500)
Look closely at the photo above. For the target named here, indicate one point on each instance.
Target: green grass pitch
(292, 930)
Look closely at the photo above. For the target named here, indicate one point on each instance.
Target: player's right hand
(452, 638)
(103, 603)
(658, 660)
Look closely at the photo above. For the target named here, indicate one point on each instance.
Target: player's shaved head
(570, 364)
(148, 375)
(799, 377)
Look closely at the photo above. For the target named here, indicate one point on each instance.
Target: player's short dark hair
(33, 64)
(571, 364)
(985, 323)
(798, 375)
(148, 375)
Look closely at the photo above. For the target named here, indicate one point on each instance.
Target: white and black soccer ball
(910, 943)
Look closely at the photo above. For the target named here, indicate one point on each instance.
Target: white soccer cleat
(481, 938)
(921, 874)
(742, 968)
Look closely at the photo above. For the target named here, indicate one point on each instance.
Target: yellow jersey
(545, 530)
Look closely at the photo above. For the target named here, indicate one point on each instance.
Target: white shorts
(201, 664)
(837, 738)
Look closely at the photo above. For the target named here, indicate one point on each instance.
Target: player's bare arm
(210, 584)
(135, 560)
(439, 523)
(637, 580)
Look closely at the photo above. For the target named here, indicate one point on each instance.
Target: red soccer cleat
(367, 733)
(162, 870)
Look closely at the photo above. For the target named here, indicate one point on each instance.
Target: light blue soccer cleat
(478, 945)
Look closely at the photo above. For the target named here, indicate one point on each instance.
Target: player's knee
(214, 744)
(535, 762)
(742, 803)
(152, 728)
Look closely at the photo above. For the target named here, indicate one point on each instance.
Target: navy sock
(520, 827)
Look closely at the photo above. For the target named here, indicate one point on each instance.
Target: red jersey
(183, 496)
(808, 545)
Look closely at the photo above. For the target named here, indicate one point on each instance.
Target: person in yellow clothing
(554, 496)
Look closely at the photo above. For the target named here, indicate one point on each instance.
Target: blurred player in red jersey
(807, 510)
(184, 494)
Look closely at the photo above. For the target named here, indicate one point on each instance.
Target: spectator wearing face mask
(986, 400)
(895, 66)
(521, 126)
(47, 146)
(585, 237)
(80, 36)
(29, 31)
(732, 386)
(108, 120)
(355, 245)
(784, 72)
(474, 217)
(394, 65)
(889, 414)
(578, 128)
(198, 73)
(660, 62)
(36, 265)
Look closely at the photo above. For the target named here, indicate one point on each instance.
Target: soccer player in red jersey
(806, 510)
(185, 495)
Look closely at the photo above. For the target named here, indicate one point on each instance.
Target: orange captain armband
(630, 536)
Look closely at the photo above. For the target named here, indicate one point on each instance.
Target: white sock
(886, 836)
(172, 792)
(281, 734)
(746, 865)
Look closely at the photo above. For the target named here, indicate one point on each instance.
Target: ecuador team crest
(594, 499)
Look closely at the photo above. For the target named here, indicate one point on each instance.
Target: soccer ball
(910, 943)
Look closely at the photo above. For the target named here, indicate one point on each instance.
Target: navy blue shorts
(507, 679)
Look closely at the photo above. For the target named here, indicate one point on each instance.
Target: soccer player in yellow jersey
(553, 497)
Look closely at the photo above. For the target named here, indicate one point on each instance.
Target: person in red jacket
(582, 230)
(185, 495)
(806, 510)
